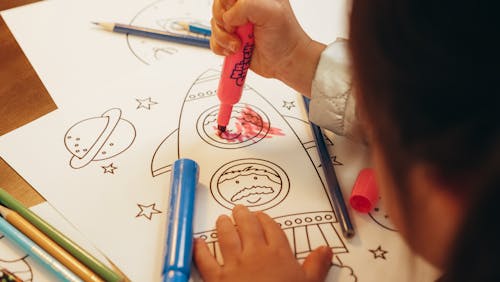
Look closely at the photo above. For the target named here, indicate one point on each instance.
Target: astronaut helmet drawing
(256, 183)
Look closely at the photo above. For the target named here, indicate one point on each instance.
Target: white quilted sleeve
(332, 106)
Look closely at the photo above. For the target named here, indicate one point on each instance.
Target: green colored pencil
(71, 247)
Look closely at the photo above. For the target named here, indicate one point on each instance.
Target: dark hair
(429, 82)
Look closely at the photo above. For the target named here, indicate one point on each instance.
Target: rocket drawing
(265, 161)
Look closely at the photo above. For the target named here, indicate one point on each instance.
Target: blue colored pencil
(157, 34)
(196, 28)
(331, 179)
(36, 252)
(179, 247)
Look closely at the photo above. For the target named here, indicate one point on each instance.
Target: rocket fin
(208, 75)
(303, 131)
(165, 154)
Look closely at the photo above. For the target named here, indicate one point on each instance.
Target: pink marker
(233, 75)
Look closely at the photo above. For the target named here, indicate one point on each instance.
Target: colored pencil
(196, 28)
(7, 276)
(36, 252)
(48, 245)
(331, 179)
(67, 244)
(157, 34)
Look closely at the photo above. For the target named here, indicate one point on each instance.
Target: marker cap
(364, 195)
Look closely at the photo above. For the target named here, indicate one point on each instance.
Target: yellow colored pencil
(48, 245)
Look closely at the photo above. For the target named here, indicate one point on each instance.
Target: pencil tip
(96, 23)
(184, 25)
(3, 210)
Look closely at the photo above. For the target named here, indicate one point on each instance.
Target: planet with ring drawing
(99, 138)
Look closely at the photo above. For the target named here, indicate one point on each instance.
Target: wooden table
(23, 98)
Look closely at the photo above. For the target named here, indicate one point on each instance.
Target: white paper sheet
(23, 266)
(103, 157)
(103, 162)
(71, 54)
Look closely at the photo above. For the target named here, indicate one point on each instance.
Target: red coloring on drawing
(249, 125)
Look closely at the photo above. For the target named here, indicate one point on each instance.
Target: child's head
(428, 95)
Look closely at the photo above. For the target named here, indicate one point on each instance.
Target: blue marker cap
(179, 247)
(176, 276)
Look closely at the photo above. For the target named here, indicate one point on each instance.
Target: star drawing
(288, 105)
(379, 253)
(147, 211)
(109, 168)
(145, 103)
(334, 161)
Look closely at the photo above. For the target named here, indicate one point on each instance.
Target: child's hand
(256, 249)
(282, 49)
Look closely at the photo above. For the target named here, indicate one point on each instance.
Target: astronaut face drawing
(257, 184)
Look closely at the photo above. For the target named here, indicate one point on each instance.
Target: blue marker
(36, 252)
(179, 248)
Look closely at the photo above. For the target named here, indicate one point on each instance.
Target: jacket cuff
(332, 106)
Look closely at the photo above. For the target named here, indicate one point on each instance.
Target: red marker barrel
(364, 194)
(234, 73)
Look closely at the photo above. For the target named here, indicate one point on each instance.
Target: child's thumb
(318, 263)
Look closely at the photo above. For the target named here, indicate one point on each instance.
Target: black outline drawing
(378, 252)
(158, 51)
(145, 209)
(278, 184)
(109, 168)
(16, 265)
(313, 227)
(334, 161)
(145, 103)
(380, 216)
(288, 104)
(108, 131)
(344, 273)
(253, 120)
(153, 50)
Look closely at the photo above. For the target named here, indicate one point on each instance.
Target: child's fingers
(217, 12)
(226, 4)
(222, 42)
(216, 48)
(273, 232)
(249, 227)
(317, 264)
(205, 262)
(237, 14)
(229, 240)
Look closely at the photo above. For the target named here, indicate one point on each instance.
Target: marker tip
(221, 128)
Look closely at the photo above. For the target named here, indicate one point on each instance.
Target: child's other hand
(256, 249)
